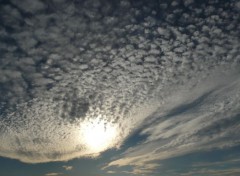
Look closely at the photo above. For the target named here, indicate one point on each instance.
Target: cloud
(68, 168)
(207, 164)
(205, 118)
(111, 172)
(212, 172)
(30, 6)
(53, 174)
(68, 68)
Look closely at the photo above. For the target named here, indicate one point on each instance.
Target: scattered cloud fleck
(53, 174)
(68, 168)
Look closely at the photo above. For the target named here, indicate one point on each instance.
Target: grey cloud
(66, 63)
(29, 6)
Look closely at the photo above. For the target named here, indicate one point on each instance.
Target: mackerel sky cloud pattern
(167, 69)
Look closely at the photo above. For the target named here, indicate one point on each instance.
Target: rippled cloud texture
(76, 70)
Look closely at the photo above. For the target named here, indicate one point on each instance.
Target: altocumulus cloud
(121, 66)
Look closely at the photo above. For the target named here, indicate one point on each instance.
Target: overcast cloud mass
(76, 70)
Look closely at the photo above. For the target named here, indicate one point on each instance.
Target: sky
(119, 87)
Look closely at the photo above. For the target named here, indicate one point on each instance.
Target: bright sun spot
(98, 134)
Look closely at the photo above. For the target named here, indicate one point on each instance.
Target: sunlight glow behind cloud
(98, 134)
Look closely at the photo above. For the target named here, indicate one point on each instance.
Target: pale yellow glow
(98, 134)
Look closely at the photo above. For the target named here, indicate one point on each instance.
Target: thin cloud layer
(207, 118)
(117, 67)
(212, 172)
